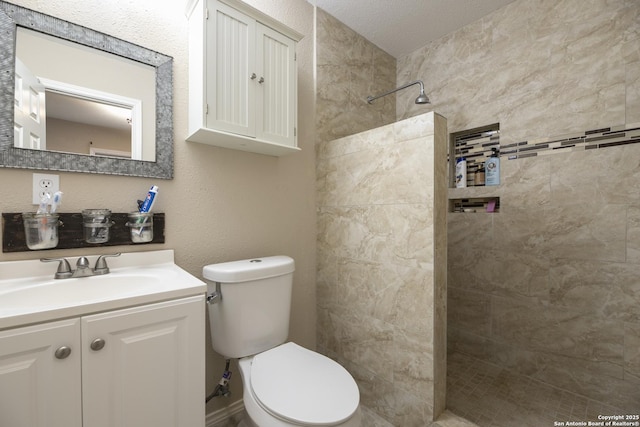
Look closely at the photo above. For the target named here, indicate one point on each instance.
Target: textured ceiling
(401, 26)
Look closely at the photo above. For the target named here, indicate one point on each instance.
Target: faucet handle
(82, 263)
(64, 269)
(101, 264)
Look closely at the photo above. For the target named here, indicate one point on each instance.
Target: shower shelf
(473, 199)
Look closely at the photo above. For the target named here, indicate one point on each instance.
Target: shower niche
(478, 204)
(476, 146)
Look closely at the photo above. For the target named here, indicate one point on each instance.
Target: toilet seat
(303, 387)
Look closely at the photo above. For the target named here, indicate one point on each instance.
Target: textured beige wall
(222, 204)
(72, 137)
(381, 264)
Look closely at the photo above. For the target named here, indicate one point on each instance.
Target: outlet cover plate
(44, 183)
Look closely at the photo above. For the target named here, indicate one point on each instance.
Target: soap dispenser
(492, 168)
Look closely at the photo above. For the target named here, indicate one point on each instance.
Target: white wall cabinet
(131, 367)
(242, 78)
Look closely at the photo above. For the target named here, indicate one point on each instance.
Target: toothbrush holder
(96, 224)
(141, 226)
(41, 230)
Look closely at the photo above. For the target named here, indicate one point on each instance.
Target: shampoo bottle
(492, 168)
(461, 172)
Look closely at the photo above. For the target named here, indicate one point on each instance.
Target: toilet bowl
(285, 385)
(292, 386)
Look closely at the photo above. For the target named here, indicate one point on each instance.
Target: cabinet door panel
(36, 388)
(231, 90)
(276, 98)
(151, 368)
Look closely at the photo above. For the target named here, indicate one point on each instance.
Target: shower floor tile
(490, 396)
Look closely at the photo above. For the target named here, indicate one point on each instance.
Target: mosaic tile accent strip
(589, 140)
(476, 147)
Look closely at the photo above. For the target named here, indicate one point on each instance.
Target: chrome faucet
(83, 268)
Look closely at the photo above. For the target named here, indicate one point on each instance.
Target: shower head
(421, 99)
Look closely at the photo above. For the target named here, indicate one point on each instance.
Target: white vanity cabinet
(40, 383)
(138, 366)
(242, 78)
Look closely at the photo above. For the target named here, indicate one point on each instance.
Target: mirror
(143, 146)
(86, 104)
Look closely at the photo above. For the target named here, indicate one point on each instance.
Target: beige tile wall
(539, 68)
(549, 286)
(381, 264)
(350, 68)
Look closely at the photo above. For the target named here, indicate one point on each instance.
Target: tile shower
(549, 287)
(568, 230)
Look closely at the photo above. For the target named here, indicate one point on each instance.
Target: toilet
(284, 383)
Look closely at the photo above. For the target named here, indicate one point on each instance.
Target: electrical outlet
(44, 184)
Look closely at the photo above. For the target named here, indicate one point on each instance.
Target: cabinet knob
(261, 80)
(63, 352)
(97, 344)
(253, 76)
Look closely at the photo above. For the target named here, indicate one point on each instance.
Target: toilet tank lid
(249, 269)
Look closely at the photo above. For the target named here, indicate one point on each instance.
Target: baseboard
(220, 418)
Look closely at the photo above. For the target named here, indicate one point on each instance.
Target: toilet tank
(252, 314)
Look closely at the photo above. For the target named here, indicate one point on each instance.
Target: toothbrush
(43, 231)
(57, 199)
(44, 201)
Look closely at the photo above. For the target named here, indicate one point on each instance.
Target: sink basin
(28, 299)
(42, 293)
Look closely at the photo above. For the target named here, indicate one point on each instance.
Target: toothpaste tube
(147, 204)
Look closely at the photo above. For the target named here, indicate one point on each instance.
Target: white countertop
(30, 294)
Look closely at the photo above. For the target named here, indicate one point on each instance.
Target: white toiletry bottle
(461, 172)
(492, 168)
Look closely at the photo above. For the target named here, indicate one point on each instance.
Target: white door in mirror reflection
(30, 121)
(80, 120)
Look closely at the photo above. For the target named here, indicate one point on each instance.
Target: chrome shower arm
(370, 99)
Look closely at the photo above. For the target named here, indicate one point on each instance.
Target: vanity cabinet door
(40, 381)
(144, 366)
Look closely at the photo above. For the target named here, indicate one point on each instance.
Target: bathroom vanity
(125, 348)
